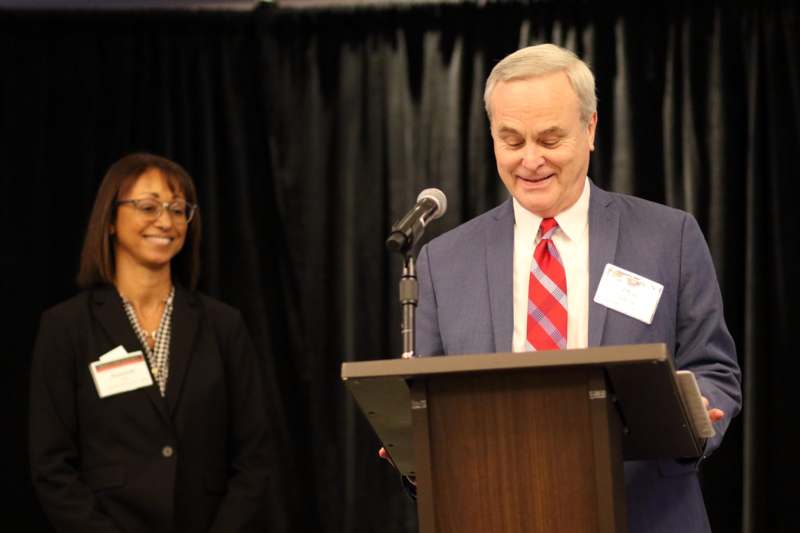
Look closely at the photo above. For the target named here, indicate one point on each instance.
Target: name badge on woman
(119, 371)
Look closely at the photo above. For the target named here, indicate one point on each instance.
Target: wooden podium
(524, 442)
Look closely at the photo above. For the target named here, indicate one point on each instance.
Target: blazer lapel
(107, 310)
(499, 266)
(185, 325)
(603, 236)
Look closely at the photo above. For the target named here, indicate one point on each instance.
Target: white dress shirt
(572, 242)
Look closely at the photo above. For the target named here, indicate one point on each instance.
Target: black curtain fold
(309, 132)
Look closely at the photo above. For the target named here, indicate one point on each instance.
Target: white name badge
(628, 293)
(119, 371)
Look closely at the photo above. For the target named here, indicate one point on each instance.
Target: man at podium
(565, 264)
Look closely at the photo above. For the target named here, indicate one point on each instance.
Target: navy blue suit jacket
(465, 306)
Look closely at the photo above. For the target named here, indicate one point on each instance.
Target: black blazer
(195, 460)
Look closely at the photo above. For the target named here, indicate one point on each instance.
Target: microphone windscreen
(438, 197)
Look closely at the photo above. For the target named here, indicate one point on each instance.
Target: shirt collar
(572, 221)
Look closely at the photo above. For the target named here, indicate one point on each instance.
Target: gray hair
(542, 59)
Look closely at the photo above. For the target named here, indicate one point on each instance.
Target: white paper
(117, 353)
(698, 414)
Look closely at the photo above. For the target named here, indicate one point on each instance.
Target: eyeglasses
(180, 210)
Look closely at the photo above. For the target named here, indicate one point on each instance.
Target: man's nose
(532, 157)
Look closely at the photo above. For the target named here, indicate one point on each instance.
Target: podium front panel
(518, 452)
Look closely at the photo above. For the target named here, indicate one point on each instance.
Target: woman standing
(173, 438)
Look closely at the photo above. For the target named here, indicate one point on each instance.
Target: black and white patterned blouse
(158, 356)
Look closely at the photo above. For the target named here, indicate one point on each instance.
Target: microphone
(431, 204)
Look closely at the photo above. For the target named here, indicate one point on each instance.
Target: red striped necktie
(547, 294)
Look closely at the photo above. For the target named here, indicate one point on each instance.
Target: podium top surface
(424, 366)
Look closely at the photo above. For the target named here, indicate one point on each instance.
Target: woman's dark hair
(97, 258)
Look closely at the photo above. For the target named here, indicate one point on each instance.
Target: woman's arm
(53, 432)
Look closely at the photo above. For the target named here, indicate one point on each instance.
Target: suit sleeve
(703, 343)
(53, 434)
(426, 322)
(244, 503)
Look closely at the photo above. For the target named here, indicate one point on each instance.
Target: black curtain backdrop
(309, 132)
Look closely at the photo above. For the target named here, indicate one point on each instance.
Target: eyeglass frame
(161, 207)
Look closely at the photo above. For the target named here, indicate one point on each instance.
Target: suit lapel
(499, 265)
(107, 310)
(603, 236)
(185, 325)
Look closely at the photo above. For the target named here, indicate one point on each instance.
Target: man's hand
(714, 414)
(383, 454)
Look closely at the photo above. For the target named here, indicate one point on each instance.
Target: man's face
(540, 144)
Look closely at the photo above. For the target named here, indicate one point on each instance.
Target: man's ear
(592, 127)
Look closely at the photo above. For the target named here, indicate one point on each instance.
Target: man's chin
(537, 202)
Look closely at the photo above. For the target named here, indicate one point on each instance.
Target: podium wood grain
(521, 465)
